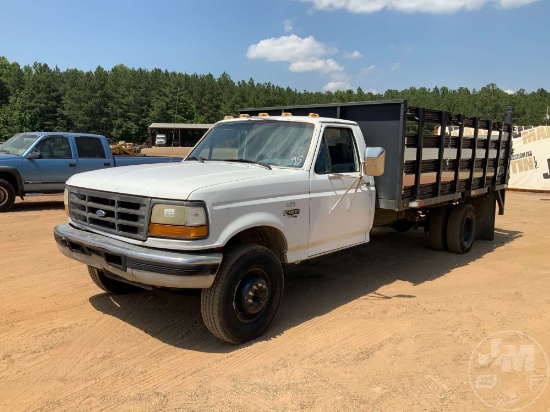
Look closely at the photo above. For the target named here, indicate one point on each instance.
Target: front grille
(114, 213)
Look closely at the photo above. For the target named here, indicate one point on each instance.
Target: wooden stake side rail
(452, 171)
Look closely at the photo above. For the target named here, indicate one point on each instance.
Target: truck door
(91, 154)
(339, 219)
(52, 168)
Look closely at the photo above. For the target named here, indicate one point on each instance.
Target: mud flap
(485, 207)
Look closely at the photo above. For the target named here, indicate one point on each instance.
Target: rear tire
(461, 228)
(437, 229)
(244, 299)
(7, 195)
(110, 285)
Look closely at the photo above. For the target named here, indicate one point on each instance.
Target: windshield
(277, 143)
(19, 143)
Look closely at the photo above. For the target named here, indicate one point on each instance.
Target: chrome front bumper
(138, 264)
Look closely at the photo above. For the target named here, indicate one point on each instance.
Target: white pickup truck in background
(262, 191)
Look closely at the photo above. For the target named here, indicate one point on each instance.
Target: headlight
(183, 222)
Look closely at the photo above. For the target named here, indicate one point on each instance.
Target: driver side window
(337, 153)
(54, 147)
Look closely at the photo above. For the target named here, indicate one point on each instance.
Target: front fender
(248, 221)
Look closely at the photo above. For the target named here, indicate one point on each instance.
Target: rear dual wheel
(437, 230)
(453, 228)
(461, 228)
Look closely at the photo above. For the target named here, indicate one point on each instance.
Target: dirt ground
(391, 325)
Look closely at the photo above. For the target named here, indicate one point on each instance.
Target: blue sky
(312, 45)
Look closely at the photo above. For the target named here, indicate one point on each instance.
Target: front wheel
(7, 195)
(244, 299)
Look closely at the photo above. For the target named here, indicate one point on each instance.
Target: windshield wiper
(197, 158)
(248, 161)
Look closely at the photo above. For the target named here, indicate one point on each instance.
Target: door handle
(107, 164)
(72, 164)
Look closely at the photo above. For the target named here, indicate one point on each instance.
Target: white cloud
(334, 86)
(339, 81)
(354, 55)
(287, 24)
(412, 6)
(509, 91)
(395, 66)
(304, 55)
(288, 49)
(323, 66)
(512, 4)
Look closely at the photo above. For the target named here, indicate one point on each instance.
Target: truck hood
(11, 160)
(174, 180)
(8, 156)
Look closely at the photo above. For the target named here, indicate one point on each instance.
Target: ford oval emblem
(100, 213)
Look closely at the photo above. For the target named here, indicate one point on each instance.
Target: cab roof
(288, 118)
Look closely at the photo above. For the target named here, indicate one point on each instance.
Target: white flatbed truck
(281, 185)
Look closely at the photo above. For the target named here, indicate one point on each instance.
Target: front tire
(244, 299)
(110, 285)
(7, 195)
(461, 228)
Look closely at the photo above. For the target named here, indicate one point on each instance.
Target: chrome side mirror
(374, 161)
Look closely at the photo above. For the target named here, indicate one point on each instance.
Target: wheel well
(266, 236)
(11, 178)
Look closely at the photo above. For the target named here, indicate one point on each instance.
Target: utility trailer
(431, 175)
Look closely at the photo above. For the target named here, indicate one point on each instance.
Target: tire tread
(437, 230)
(212, 300)
(455, 228)
(10, 200)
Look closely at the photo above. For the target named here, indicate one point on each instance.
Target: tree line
(122, 102)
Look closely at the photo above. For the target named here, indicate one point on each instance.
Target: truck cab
(256, 193)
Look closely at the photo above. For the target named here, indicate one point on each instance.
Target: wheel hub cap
(254, 297)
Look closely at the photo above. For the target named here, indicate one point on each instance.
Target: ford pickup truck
(277, 186)
(41, 163)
